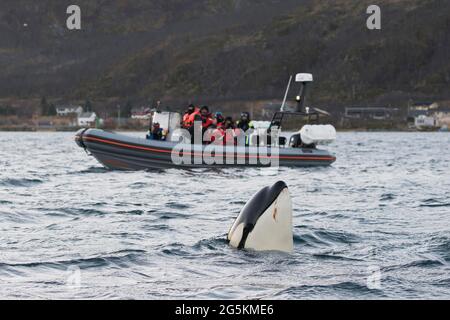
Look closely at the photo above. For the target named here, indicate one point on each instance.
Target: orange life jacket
(223, 136)
(188, 119)
(207, 122)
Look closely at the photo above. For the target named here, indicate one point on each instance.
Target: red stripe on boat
(200, 155)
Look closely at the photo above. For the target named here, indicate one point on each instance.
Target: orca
(265, 222)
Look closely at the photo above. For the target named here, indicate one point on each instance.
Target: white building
(143, 113)
(424, 121)
(69, 110)
(87, 119)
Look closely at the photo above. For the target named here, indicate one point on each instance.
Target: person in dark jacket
(206, 118)
(156, 132)
(245, 123)
(219, 120)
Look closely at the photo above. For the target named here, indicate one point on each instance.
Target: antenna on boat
(304, 79)
(286, 94)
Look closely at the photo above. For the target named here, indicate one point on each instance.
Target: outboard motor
(295, 141)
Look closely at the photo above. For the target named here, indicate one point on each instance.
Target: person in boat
(207, 122)
(206, 118)
(189, 117)
(219, 120)
(226, 133)
(156, 133)
(245, 124)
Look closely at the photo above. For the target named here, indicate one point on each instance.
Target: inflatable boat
(123, 152)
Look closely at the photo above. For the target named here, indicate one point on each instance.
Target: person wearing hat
(189, 117)
(206, 118)
(225, 134)
(245, 124)
(219, 120)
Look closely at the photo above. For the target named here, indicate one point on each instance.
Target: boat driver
(156, 132)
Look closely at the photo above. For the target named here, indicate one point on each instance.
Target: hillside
(224, 50)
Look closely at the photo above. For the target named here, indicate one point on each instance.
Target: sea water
(376, 224)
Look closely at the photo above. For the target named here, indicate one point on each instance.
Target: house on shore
(370, 113)
(423, 121)
(87, 119)
(428, 116)
(65, 111)
(143, 113)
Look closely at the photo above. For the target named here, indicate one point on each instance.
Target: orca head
(265, 222)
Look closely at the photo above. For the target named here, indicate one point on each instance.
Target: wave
(202, 247)
(80, 211)
(176, 205)
(176, 249)
(435, 203)
(157, 227)
(132, 212)
(24, 182)
(93, 169)
(425, 263)
(121, 257)
(212, 244)
(138, 185)
(166, 215)
(422, 263)
(333, 256)
(325, 238)
(441, 247)
(351, 288)
(388, 197)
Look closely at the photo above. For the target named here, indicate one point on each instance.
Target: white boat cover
(318, 134)
(169, 121)
(261, 124)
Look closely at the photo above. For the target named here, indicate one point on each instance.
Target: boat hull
(122, 152)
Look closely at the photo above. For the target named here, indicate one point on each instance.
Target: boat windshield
(293, 121)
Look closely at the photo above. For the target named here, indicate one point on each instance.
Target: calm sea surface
(376, 224)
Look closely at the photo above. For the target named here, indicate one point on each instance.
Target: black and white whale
(265, 222)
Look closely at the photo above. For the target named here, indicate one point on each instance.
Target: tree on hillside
(51, 110)
(7, 110)
(88, 106)
(127, 109)
(44, 106)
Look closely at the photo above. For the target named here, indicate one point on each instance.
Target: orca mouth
(256, 207)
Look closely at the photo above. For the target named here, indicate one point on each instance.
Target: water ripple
(162, 234)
